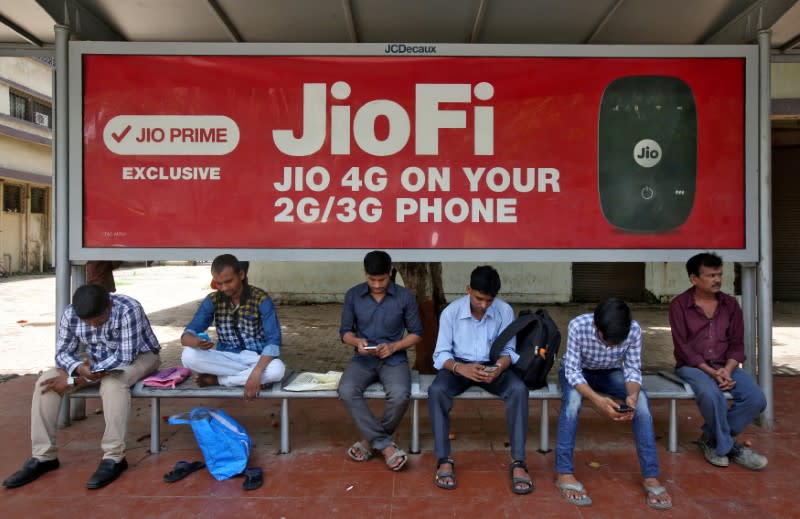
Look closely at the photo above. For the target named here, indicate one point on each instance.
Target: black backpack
(538, 340)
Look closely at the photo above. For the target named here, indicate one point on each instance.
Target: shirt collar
(390, 290)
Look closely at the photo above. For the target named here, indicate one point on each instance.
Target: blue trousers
(612, 383)
(507, 386)
(396, 382)
(722, 424)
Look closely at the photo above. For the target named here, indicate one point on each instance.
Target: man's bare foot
(572, 490)
(206, 379)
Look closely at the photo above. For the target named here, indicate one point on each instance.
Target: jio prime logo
(647, 153)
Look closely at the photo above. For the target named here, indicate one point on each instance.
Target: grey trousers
(396, 382)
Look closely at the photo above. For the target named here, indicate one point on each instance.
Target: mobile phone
(624, 408)
(489, 369)
(370, 347)
(108, 371)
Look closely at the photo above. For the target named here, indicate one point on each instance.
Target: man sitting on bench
(249, 334)
(603, 364)
(708, 334)
(120, 349)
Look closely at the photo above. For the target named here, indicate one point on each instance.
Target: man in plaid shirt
(603, 364)
(102, 339)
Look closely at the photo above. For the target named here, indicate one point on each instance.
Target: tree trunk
(425, 280)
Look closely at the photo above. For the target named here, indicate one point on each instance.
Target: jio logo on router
(647, 153)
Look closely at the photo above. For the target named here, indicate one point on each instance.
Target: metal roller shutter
(593, 282)
(786, 222)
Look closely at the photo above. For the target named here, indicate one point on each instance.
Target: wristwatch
(70, 381)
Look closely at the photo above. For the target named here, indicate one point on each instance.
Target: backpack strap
(510, 331)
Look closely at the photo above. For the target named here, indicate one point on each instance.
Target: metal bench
(188, 389)
(551, 392)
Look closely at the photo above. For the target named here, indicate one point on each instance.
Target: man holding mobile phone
(375, 318)
(603, 364)
(467, 328)
(120, 349)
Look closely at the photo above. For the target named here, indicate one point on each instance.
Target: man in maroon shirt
(707, 331)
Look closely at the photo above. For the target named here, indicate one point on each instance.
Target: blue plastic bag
(224, 443)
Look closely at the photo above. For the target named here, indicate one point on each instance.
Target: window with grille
(30, 109)
(38, 200)
(12, 198)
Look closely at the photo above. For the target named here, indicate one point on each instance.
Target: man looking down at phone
(467, 328)
(602, 363)
(375, 318)
(101, 338)
(249, 334)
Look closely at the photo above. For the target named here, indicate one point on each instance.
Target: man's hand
(475, 373)
(85, 371)
(253, 385)
(384, 350)
(362, 348)
(193, 341)
(57, 383)
(723, 379)
(608, 406)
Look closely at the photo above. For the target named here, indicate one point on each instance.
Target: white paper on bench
(309, 381)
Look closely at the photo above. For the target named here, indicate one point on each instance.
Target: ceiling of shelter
(29, 23)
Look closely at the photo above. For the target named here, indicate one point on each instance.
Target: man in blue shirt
(376, 316)
(248, 332)
(467, 329)
(103, 339)
(603, 364)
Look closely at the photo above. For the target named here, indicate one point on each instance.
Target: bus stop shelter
(27, 29)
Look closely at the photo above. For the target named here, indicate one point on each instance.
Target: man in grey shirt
(375, 318)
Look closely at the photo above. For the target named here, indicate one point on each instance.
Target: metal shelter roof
(28, 24)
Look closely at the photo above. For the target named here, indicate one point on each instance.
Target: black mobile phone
(624, 408)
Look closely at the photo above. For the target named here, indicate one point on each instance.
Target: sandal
(439, 478)
(253, 478)
(655, 492)
(520, 481)
(582, 500)
(358, 452)
(398, 453)
(183, 469)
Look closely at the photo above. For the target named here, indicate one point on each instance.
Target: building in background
(26, 164)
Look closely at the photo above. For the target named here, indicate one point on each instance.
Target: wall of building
(25, 161)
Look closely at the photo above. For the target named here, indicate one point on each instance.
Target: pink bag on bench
(167, 378)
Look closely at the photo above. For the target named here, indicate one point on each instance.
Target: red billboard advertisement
(399, 152)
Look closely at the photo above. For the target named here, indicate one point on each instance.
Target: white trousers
(232, 369)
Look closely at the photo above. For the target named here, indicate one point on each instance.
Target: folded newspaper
(308, 381)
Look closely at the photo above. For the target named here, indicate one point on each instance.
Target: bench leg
(285, 426)
(673, 426)
(77, 409)
(415, 427)
(544, 429)
(155, 425)
(63, 414)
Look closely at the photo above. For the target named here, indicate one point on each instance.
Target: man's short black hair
(704, 259)
(377, 263)
(613, 320)
(90, 301)
(225, 260)
(485, 279)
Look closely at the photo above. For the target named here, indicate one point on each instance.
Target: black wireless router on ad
(647, 153)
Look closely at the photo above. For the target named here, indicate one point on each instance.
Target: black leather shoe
(31, 470)
(108, 471)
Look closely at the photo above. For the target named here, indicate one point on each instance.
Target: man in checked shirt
(102, 338)
(603, 364)
(708, 335)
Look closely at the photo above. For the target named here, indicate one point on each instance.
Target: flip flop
(398, 453)
(575, 487)
(517, 480)
(656, 491)
(253, 478)
(438, 478)
(183, 469)
(358, 452)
